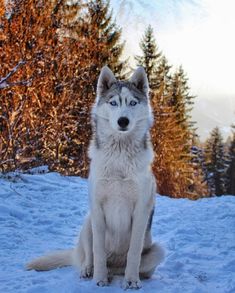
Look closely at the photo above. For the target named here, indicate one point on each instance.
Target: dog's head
(123, 104)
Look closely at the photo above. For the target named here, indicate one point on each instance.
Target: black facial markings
(116, 89)
(135, 91)
(120, 100)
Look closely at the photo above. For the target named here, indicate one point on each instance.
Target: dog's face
(123, 104)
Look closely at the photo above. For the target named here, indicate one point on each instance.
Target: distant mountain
(140, 13)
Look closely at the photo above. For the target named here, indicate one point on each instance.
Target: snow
(43, 211)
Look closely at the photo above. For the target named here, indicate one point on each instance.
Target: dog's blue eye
(133, 103)
(113, 103)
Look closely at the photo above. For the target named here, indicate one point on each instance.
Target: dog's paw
(102, 283)
(131, 284)
(86, 272)
(101, 277)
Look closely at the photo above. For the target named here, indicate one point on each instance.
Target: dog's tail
(52, 261)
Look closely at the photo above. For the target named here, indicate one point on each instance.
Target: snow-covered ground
(44, 212)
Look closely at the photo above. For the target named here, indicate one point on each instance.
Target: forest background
(51, 53)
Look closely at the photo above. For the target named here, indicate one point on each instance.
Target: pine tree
(172, 133)
(177, 175)
(163, 77)
(198, 161)
(182, 100)
(215, 163)
(230, 188)
(106, 37)
(150, 56)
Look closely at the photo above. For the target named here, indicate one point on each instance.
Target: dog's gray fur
(116, 236)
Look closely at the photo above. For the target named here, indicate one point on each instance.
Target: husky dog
(116, 236)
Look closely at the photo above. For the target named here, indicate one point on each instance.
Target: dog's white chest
(118, 198)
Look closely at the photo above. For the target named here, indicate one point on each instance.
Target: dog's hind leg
(151, 257)
(83, 255)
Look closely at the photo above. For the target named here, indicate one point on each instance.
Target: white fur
(122, 188)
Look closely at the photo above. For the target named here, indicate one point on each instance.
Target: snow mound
(42, 211)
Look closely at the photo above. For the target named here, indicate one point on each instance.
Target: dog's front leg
(100, 261)
(139, 225)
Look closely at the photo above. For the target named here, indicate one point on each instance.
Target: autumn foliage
(51, 54)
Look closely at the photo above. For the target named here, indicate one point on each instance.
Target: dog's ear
(140, 80)
(105, 81)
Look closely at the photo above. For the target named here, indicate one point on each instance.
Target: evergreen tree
(106, 37)
(150, 56)
(176, 173)
(100, 44)
(215, 163)
(231, 166)
(162, 77)
(182, 100)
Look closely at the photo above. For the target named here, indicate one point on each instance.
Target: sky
(197, 34)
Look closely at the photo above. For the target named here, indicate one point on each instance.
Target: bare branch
(4, 81)
(21, 82)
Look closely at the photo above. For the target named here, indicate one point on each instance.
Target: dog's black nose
(123, 122)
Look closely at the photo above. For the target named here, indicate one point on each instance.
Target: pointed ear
(140, 80)
(105, 81)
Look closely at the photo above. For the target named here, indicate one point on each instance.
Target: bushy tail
(52, 261)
